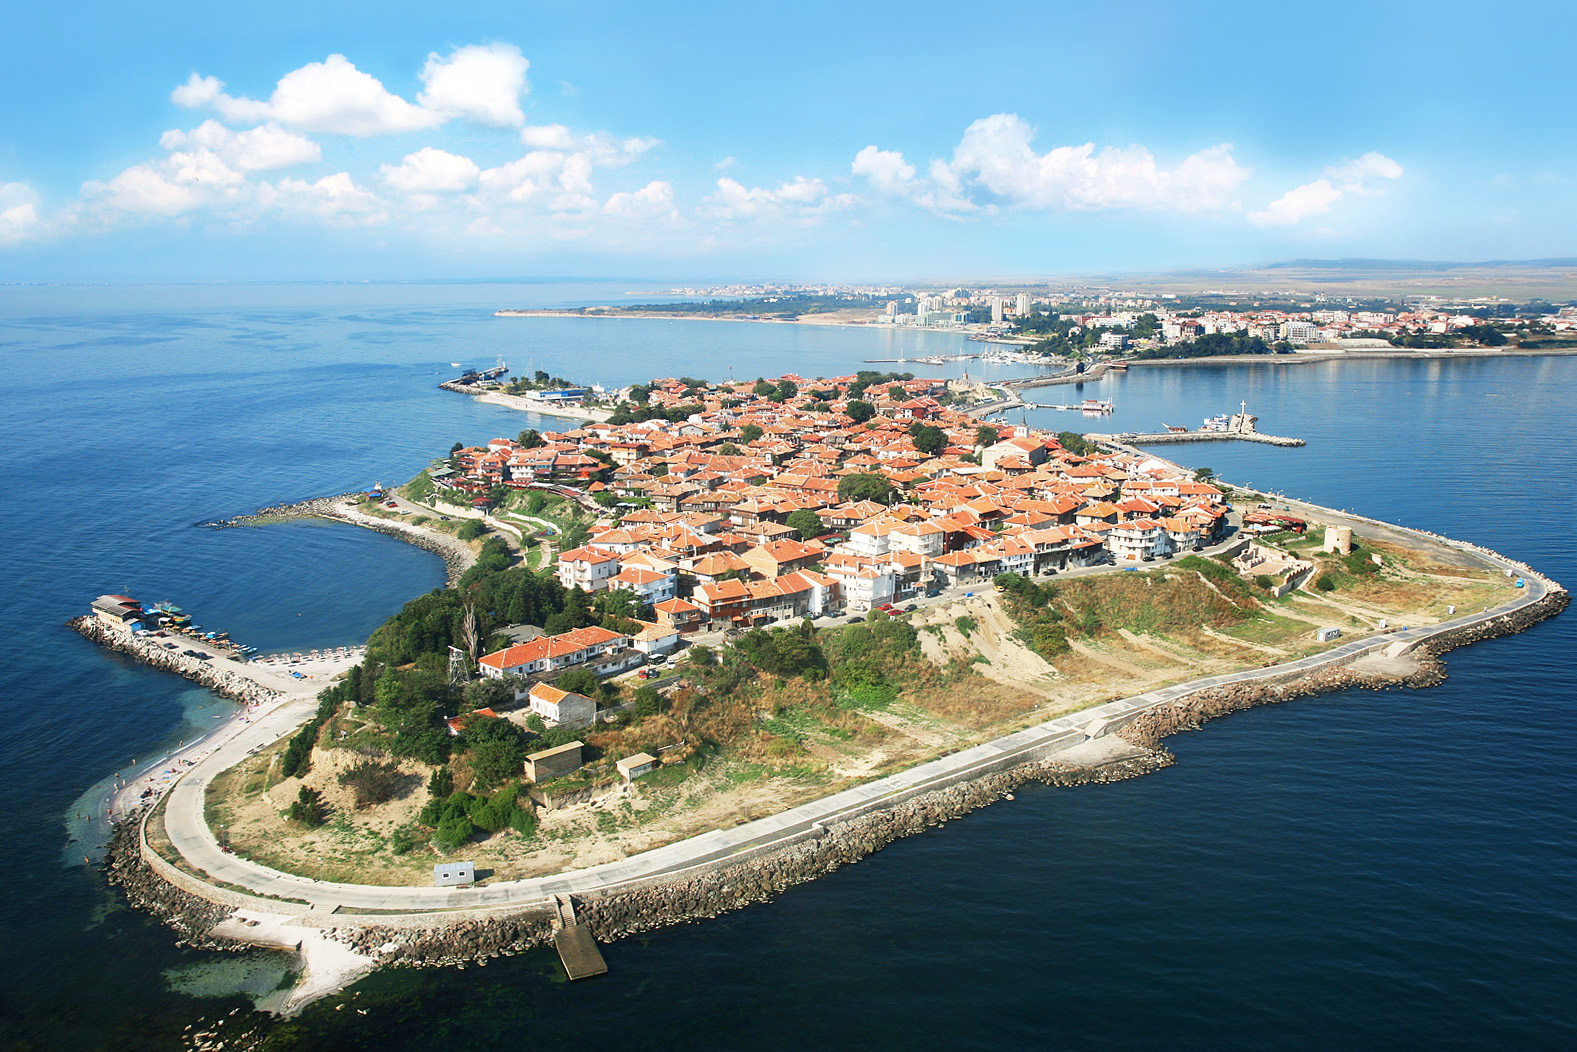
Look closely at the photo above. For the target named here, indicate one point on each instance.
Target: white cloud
(556, 174)
(1311, 199)
(259, 149)
(482, 82)
(18, 212)
(329, 96)
(602, 148)
(655, 200)
(335, 197)
(995, 163)
(1353, 174)
(800, 198)
(429, 170)
(1298, 204)
(143, 189)
(198, 92)
(886, 169)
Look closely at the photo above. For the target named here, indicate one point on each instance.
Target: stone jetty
(150, 652)
(456, 554)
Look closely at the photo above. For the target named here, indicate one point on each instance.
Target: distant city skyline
(841, 142)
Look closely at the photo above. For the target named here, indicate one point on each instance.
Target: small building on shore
(454, 874)
(549, 764)
(120, 612)
(632, 767)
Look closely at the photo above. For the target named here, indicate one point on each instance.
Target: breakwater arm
(456, 554)
(220, 680)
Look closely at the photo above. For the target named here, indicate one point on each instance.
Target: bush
(1325, 583)
(401, 841)
(1264, 580)
(471, 529)
(308, 807)
(373, 782)
(966, 625)
(452, 832)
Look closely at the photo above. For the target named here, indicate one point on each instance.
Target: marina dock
(1159, 437)
(577, 949)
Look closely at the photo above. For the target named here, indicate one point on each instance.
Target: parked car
(911, 608)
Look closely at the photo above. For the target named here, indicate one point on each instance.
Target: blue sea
(1367, 869)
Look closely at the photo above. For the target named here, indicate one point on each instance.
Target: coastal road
(191, 836)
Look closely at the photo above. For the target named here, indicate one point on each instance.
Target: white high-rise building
(1023, 305)
(996, 310)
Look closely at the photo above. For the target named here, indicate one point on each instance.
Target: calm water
(1392, 869)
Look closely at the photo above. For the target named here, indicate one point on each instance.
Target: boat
(1174, 429)
(454, 365)
(1097, 405)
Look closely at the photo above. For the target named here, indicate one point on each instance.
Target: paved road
(192, 837)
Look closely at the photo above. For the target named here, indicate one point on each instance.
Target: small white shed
(454, 874)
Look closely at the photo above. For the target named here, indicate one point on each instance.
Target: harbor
(155, 636)
(1240, 426)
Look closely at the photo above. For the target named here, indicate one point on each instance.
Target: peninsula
(741, 633)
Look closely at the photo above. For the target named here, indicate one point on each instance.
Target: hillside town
(1120, 320)
(737, 505)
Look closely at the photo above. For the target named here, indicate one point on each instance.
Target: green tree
(930, 440)
(764, 389)
(1204, 475)
(497, 749)
(487, 693)
(749, 433)
(806, 523)
(647, 701)
(579, 681)
(307, 808)
(859, 411)
(529, 439)
(864, 486)
(372, 781)
(986, 435)
(471, 529)
(728, 449)
(786, 390)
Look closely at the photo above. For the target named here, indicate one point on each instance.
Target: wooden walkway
(577, 949)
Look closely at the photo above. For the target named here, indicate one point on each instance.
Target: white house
(562, 708)
(587, 568)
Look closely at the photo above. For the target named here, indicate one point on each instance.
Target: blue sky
(842, 141)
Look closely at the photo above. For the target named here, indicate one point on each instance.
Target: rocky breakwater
(718, 887)
(150, 652)
(191, 916)
(456, 554)
(1147, 728)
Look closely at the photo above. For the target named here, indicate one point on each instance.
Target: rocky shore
(189, 915)
(729, 885)
(216, 678)
(1190, 712)
(456, 554)
(759, 874)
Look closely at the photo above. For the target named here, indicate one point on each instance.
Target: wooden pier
(577, 949)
